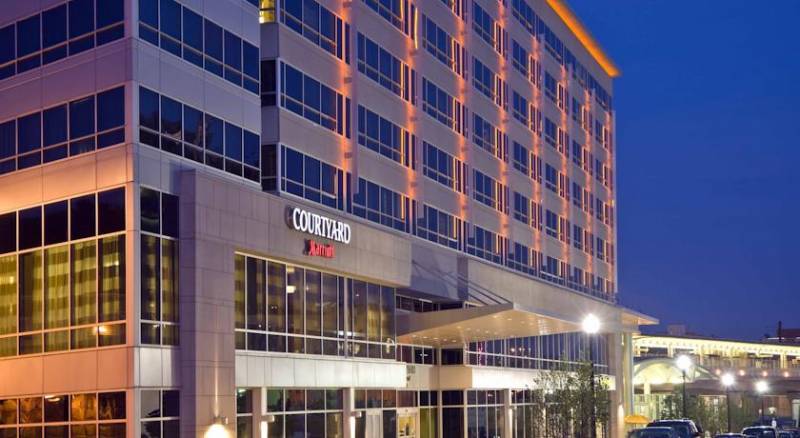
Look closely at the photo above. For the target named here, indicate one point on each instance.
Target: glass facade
(179, 129)
(63, 275)
(186, 34)
(159, 267)
(65, 30)
(287, 308)
(83, 415)
(73, 128)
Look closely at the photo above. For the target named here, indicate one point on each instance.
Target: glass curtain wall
(286, 308)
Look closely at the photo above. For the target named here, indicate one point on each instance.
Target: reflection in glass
(169, 280)
(111, 300)
(8, 295)
(30, 291)
(83, 407)
(84, 283)
(56, 293)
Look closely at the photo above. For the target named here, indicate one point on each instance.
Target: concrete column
(348, 409)
(206, 310)
(616, 353)
(259, 412)
(508, 417)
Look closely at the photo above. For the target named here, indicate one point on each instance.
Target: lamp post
(761, 387)
(591, 325)
(684, 363)
(727, 382)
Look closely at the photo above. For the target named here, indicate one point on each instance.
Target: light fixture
(356, 414)
(762, 386)
(727, 380)
(591, 324)
(683, 362)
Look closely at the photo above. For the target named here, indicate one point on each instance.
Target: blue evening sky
(708, 139)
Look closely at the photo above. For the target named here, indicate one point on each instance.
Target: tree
(563, 398)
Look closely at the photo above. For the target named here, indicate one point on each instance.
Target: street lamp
(727, 382)
(762, 387)
(684, 363)
(590, 326)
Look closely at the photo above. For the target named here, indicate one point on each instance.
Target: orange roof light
(584, 37)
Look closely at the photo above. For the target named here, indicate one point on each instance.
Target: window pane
(81, 17)
(8, 139)
(28, 34)
(112, 406)
(29, 133)
(171, 18)
(214, 134)
(151, 280)
(213, 40)
(30, 410)
(83, 407)
(30, 291)
(233, 51)
(170, 404)
(148, 109)
(169, 215)
(56, 293)
(193, 126)
(30, 228)
(171, 117)
(111, 300)
(256, 294)
(54, 26)
(56, 409)
(111, 211)
(150, 207)
(7, 44)
(251, 149)
(109, 12)
(55, 223)
(81, 117)
(111, 109)
(251, 59)
(277, 297)
(151, 404)
(169, 280)
(84, 283)
(148, 12)
(55, 125)
(82, 217)
(8, 297)
(192, 29)
(233, 142)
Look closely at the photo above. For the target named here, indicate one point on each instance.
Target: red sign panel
(316, 249)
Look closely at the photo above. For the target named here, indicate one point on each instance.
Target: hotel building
(302, 217)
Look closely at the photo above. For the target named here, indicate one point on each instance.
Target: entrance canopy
(461, 326)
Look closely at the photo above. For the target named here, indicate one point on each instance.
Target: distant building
(656, 375)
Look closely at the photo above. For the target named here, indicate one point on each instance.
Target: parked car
(685, 428)
(654, 432)
(731, 435)
(761, 431)
(785, 434)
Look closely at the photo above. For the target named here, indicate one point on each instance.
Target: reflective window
(188, 132)
(185, 33)
(55, 223)
(30, 228)
(82, 217)
(159, 268)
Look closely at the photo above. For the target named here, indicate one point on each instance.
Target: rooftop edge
(583, 35)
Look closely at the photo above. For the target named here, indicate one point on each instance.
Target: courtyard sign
(318, 225)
